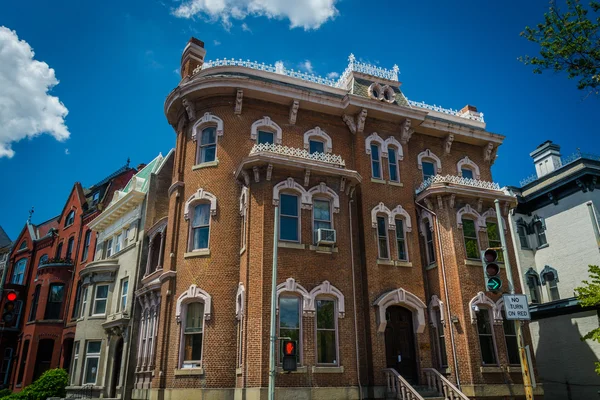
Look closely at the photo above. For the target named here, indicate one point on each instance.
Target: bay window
(100, 299)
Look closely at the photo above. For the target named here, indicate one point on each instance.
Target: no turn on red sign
(516, 308)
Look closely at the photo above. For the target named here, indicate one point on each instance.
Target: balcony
(456, 185)
(56, 262)
(106, 269)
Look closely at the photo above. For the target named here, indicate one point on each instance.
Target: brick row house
(377, 208)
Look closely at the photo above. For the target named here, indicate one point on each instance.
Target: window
(429, 243)
(59, 250)
(401, 240)
(316, 146)
(289, 218)
(6, 363)
(118, 240)
(92, 360)
(23, 245)
(86, 245)
(75, 312)
(34, 303)
(17, 311)
(244, 228)
(382, 238)
(289, 321)
(207, 148)
(552, 284)
(193, 335)
(393, 164)
(375, 162)
(100, 300)
(240, 337)
(55, 299)
(486, 339)
(470, 236)
(326, 332)
(96, 198)
(201, 226)
(23, 362)
(70, 218)
(522, 231)
(70, 248)
(533, 283)
(540, 231)
(83, 302)
(109, 248)
(43, 260)
(265, 137)
(441, 339)
(467, 173)
(321, 216)
(19, 272)
(493, 234)
(428, 169)
(75, 362)
(512, 345)
(124, 288)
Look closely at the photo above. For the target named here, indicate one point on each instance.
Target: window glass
(118, 240)
(201, 226)
(77, 301)
(494, 238)
(83, 302)
(400, 240)
(441, 339)
(43, 260)
(430, 243)
(34, 303)
(289, 221)
(552, 284)
(375, 161)
(194, 322)
(289, 320)
(75, 362)
(326, 332)
(393, 163)
(6, 363)
(265, 137)
(428, 170)
(316, 146)
(24, 353)
(540, 233)
(321, 215)
(59, 250)
(467, 173)
(19, 272)
(92, 360)
(208, 145)
(534, 284)
(70, 218)
(23, 245)
(512, 345)
(100, 299)
(124, 289)
(109, 248)
(55, 299)
(382, 238)
(486, 339)
(86, 245)
(522, 231)
(470, 236)
(69, 254)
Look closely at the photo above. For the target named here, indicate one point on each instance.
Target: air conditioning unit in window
(325, 236)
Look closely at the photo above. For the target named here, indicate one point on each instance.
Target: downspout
(273, 330)
(360, 394)
(437, 228)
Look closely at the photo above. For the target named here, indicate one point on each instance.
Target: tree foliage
(589, 296)
(52, 383)
(569, 42)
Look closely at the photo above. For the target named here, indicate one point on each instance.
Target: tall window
(24, 354)
(92, 361)
(75, 362)
(493, 234)
(382, 238)
(428, 169)
(289, 321)
(75, 312)
(441, 339)
(522, 231)
(289, 218)
(375, 162)
(326, 332)
(19, 272)
(124, 289)
(512, 345)
(55, 299)
(265, 137)
(401, 241)
(109, 248)
(118, 241)
(84, 298)
(34, 303)
(316, 146)
(321, 216)
(43, 260)
(393, 164)
(470, 236)
(100, 300)
(193, 335)
(70, 218)
(429, 243)
(552, 284)
(540, 232)
(201, 226)
(207, 148)
(533, 283)
(6, 363)
(467, 173)
(96, 198)
(69, 254)
(486, 338)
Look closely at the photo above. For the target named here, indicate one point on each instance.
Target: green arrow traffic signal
(491, 270)
(494, 283)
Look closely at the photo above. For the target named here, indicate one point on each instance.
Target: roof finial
(30, 215)
(351, 58)
(128, 161)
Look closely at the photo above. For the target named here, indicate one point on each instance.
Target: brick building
(381, 206)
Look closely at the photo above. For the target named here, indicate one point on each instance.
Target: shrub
(52, 383)
(4, 393)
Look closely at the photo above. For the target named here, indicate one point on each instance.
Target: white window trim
(326, 289)
(240, 302)
(471, 212)
(491, 214)
(208, 120)
(322, 190)
(201, 196)
(485, 302)
(374, 137)
(94, 314)
(404, 298)
(398, 150)
(244, 215)
(94, 355)
(290, 286)
(124, 294)
(320, 136)
(270, 126)
(327, 199)
(429, 155)
(14, 274)
(426, 216)
(469, 164)
(192, 295)
(298, 218)
(291, 185)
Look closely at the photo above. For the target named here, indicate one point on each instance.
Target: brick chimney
(192, 57)
(546, 158)
(469, 110)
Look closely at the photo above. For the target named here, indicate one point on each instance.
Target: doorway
(118, 356)
(400, 349)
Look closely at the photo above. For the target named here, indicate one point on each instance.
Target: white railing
(439, 383)
(399, 387)
(457, 180)
(577, 155)
(528, 180)
(474, 116)
(298, 153)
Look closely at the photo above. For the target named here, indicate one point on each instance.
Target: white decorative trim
(382, 209)
(425, 215)
(334, 159)
(375, 87)
(199, 196)
(472, 166)
(240, 302)
(391, 141)
(468, 210)
(433, 304)
(210, 120)
(498, 318)
(320, 134)
(374, 137)
(194, 293)
(266, 122)
(458, 180)
(399, 211)
(405, 299)
(490, 213)
(322, 188)
(327, 289)
(291, 185)
(244, 200)
(290, 286)
(429, 154)
(481, 300)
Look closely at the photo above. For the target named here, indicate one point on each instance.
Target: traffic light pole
(523, 357)
(273, 332)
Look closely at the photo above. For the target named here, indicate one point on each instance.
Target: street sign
(494, 283)
(516, 308)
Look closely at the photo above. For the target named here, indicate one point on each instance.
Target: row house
(373, 206)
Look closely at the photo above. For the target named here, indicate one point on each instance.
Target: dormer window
(70, 218)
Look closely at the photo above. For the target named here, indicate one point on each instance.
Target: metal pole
(522, 356)
(273, 336)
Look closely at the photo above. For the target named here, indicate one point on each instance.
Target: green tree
(589, 296)
(569, 42)
(52, 383)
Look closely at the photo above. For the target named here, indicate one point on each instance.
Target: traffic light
(491, 270)
(289, 355)
(9, 307)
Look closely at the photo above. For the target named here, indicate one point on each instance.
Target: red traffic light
(289, 348)
(490, 255)
(11, 296)
(492, 269)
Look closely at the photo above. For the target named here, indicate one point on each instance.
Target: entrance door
(118, 355)
(400, 351)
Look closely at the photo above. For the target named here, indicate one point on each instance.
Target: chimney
(192, 57)
(140, 167)
(469, 110)
(546, 158)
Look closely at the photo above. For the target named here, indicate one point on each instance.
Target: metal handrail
(439, 382)
(397, 385)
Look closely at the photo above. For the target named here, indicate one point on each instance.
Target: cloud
(151, 60)
(67, 152)
(216, 43)
(307, 14)
(246, 28)
(26, 108)
(307, 66)
(333, 75)
(177, 71)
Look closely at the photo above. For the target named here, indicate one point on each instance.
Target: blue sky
(116, 63)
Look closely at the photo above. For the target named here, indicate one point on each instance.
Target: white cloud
(177, 71)
(308, 14)
(26, 108)
(246, 28)
(333, 75)
(216, 43)
(307, 66)
(67, 152)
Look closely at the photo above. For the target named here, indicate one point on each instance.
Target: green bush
(4, 393)
(52, 383)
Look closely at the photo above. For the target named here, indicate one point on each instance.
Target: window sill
(399, 263)
(431, 266)
(375, 180)
(491, 370)
(328, 370)
(473, 263)
(323, 249)
(197, 253)
(238, 371)
(513, 369)
(291, 245)
(189, 371)
(382, 261)
(299, 370)
(206, 165)
(542, 246)
(392, 183)
(97, 316)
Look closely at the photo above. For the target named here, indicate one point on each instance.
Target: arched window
(317, 141)
(19, 272)
(467, 168)
(43, 260)
(239, 312)
(511, 340)
(436, 315)
(468, 220)
(395, 155)
(532, 279)
(402, 225)
(550, 279)
(70, 218)
(193, 308)
(205, 132)
(34, 303)
(482, 310)
(293, 300)
(375, 146)
(325, 202)
(198, 211)
(265, 131)
(539, 226)
(289, 196)
(429, 163)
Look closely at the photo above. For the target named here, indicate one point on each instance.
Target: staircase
(437, 387)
